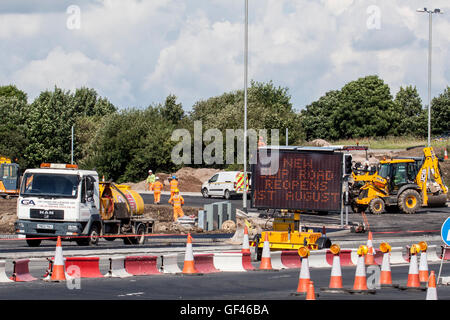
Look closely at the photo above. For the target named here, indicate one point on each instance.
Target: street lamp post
(430, 20)
(244, 194)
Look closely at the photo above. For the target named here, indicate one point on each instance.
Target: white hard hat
(157, 178)
(150, 171)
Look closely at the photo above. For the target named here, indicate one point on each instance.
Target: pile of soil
(8, 216)
(189, 179)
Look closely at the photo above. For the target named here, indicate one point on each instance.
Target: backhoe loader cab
(404, 183)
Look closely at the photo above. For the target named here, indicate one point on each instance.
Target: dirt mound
(319, 143)
(7, 216)
(189, 179)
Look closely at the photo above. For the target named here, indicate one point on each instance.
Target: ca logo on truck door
(27, 202)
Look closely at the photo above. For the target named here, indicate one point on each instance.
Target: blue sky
(137, 52)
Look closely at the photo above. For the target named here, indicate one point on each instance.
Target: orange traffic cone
(431, 290)
(310, 294)
(423, 265)
(304, 276)
(413, 272)
(58, 266)
(266, 261)
(386, 275)
(370, 257)
(189, 265)
(445, 154)
(336, 272)
(360, 283)
(245, 243)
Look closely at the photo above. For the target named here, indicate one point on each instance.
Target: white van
(223, 184)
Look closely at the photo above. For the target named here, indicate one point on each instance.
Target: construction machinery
(9, 178)
(62, 200)
(403, 183)
(288, 234)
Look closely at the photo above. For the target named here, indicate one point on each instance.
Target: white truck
(62, 200)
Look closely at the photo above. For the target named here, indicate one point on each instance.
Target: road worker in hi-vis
(157, 188)
(173, 182)
(177, 201)
(150, 180)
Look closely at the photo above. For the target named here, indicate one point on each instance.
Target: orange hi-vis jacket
(173, 185)
(157, 186)
(177, 200)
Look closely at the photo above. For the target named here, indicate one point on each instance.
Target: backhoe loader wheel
(376, 206)
(409, 201)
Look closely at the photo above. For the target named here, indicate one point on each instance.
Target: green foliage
(440, 113)
(12, 130)
(410, 115)
(129, 143)
(364, 108)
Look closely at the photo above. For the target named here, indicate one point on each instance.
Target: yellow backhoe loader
(405, 183)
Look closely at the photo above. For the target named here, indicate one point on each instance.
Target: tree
(130, 142)
(365, 109)
(440, 113)
(268, 107)
(11, 91)
(410, 115)
(171, 110)
(13, 139)
(317, 118)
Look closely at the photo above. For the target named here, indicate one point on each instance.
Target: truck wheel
(205, 193)
(226, 195)
(92, 238)
(140, 239)
(33, 242)
(409, 201)
(376, 206)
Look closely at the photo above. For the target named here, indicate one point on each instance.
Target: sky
(137, 52)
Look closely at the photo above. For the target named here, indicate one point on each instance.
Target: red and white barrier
(169, 263)
(291, 259)
(21, 271)
(229, 261)
(397, 256)
(83, 267)
(276, 260)
(3, 276)
(432, 255)
(117, 268)
(141, 265)
(247, 262)
(344, 257)
(204, 263)
(318, 259)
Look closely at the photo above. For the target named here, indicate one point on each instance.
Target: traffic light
(347, 164)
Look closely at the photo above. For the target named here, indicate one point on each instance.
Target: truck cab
(59, 200)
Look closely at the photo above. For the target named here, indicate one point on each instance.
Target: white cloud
(71, 70)
(137, 52)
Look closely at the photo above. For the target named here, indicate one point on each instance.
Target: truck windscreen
(50, 185)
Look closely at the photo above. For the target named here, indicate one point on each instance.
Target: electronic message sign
(302, 180)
